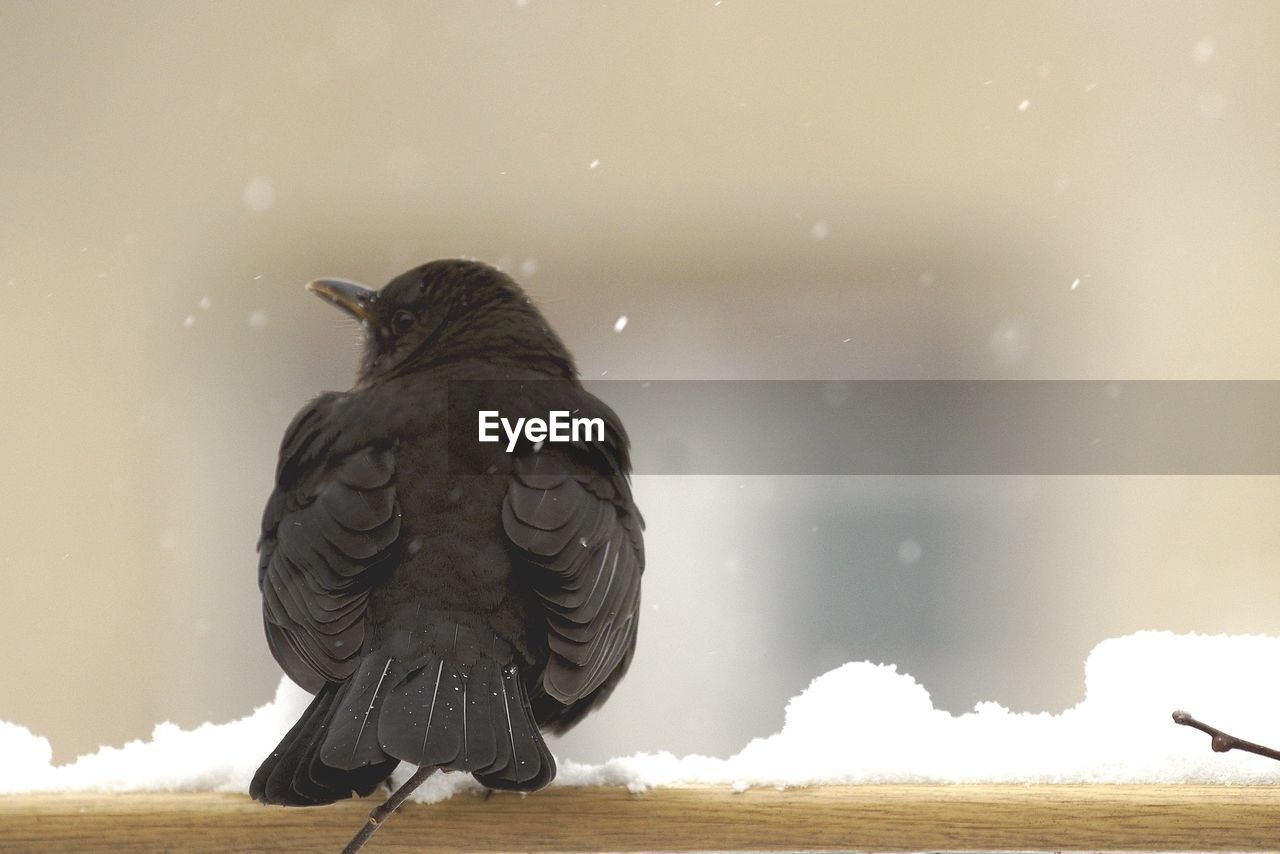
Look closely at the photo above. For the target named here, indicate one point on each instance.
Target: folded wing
(571, 518)
(327, 531)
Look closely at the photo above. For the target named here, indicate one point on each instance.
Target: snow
(259, 194)
(1202, 52)
(910, 551)
(1010, 341)
(867, 723)
(211, 757)
(859, 723)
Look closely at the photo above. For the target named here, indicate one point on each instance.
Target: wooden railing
(882, 818)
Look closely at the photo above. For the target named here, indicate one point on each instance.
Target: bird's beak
(348, 296)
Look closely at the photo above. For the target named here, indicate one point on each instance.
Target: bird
(446, 601)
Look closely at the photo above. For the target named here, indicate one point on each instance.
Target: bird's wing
(572, 518)
(329, 526)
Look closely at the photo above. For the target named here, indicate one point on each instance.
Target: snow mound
(859, 723)
(211, 757)
(867, 723)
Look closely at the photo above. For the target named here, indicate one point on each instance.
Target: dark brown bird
(446, 601)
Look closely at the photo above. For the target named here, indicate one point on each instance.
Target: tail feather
(352, 741)
(295, 775)
(456, 701)
(452, 700)
(449, 700)
(473, 718)
(523, 762)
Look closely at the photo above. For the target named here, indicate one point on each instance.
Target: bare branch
(386, 808)
(1222, 742)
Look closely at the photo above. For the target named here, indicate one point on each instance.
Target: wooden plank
(885, 818)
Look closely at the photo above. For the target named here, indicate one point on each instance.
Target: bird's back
(474, 625)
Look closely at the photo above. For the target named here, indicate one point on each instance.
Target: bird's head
(447, 311)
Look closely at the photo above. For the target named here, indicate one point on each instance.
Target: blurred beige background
(828, 190)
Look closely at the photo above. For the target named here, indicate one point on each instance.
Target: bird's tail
(456, 701)
(448, 697)
(296, 775)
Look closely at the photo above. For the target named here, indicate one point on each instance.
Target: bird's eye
(402, 322)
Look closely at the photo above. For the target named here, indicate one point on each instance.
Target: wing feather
(572, 519)
(327, 530)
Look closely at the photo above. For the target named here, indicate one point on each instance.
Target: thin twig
(386, 808)
(1222, 742)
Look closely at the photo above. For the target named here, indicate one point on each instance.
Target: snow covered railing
(872, 817)
(863, 761)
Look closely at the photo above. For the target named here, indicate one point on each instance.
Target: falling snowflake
(910, 552)
(259, 194)
(1010, 342)
(1202, 52)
